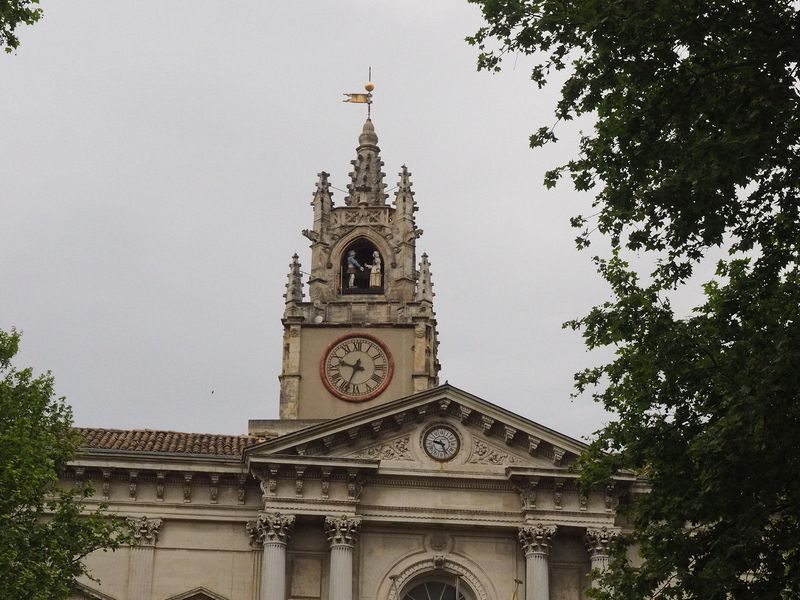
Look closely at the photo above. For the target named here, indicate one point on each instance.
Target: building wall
(318, 402)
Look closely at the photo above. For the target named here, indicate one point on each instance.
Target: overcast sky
(157, 161)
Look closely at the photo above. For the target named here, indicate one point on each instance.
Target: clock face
(356, 367)
(441, 443)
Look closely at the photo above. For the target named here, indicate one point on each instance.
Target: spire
(366, 180)
(294, 288)
(424, 283)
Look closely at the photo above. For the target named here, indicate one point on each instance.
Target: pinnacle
(294, 287)
(424, 283)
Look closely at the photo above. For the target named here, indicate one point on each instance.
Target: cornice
(91, 457)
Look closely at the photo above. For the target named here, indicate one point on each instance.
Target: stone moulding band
(395, 581)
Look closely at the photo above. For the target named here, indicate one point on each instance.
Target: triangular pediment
(392, 435)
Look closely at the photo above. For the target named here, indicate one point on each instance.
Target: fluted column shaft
(342, 534)
(535, 542)
(273, 571)
(272, 530)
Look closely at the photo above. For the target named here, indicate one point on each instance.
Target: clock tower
(366, 334)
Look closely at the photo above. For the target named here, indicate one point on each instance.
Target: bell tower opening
(361, 269)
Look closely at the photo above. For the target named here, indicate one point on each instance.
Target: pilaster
(142, 556)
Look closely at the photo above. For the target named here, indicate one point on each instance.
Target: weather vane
(361, 98)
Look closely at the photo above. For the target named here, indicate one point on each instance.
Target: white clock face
(441, 443)
(356, 367)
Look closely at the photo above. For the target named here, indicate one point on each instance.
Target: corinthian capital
(270, 527)
(144, 530)
(598, 540)
(536, 538)
(342, 530)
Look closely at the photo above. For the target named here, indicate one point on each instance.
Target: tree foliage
(696, 145)
(45, 533)
(12, 14)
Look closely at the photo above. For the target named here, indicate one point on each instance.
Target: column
(535, 541)
(342, 534)
(140, 568)
(272, 530)
(598, 543)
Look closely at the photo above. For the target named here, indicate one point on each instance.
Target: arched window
(435, 590)
(361, 269)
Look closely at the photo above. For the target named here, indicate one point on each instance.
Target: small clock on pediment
(441, 443)
(356, 367)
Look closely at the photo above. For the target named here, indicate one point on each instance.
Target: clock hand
(439, 443)
(356, 368)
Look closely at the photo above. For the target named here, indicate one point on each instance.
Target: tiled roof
(173, 442)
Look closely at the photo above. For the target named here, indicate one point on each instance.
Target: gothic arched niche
(361, 268)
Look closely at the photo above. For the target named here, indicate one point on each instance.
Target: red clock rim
(374, 393)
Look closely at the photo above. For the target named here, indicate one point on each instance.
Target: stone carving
(132, 476)
(609, 498)
(187, 487)
(484, 454)
(145, 531)
(536, 538)
(242, 493)
(533, 444)
(342, 530)
(392, 450)
(438, 541)
(558, 492)
(486, 423)
(510, 432)
(558, 454)
(528, 494)
(106, 483)
(270, 528)
(598, 541)
(214, 491)
(160, 486)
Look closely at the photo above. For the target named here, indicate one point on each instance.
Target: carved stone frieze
(536, 538)
(484, 454)
(144, 531)
(342, 530)
(270, 528)
(397, 449)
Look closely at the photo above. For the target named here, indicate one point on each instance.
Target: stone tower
(367, 333)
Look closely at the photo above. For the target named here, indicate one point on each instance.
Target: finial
(368, 135)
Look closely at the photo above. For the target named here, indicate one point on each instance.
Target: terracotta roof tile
(174, 442)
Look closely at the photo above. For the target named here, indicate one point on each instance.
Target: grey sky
(157, 162)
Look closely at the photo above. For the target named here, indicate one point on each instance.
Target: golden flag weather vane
(362, 98)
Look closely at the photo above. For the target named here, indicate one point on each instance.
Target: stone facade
(376, 482)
